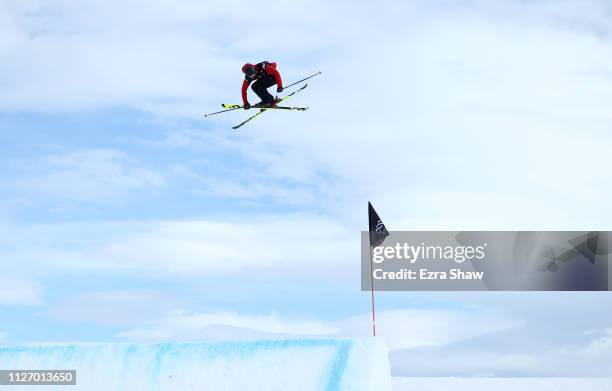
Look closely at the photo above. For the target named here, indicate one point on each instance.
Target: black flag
(378, 231)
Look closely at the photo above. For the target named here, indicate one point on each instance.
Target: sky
(125, 215)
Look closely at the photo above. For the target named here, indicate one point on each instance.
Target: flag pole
(372, 286)
(378, 232)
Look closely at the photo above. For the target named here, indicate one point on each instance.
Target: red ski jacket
(261, 69)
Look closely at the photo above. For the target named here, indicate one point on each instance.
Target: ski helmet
(249, 69)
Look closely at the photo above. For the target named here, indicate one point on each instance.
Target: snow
(501, 384)
(324, 364)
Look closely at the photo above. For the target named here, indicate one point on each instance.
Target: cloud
(278, 245)
(86, 175)
(19, 292)
(463, 363)
(549, 342)
(118, 307)
(401, 329)
(255, 190)
(222, 325)
(253, 172)
(407, 329)
(209, 247)
(499, 384)
(567, 358)
(600, 348)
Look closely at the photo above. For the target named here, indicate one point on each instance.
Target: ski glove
(279, 89)
(247, 106)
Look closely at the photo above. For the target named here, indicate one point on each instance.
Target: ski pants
(260, 87)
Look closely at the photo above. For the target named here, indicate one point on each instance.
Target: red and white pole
(372, 286)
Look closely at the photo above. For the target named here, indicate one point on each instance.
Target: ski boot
(266, 104)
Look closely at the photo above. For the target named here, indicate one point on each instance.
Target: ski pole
(306, 78)
(222, 111)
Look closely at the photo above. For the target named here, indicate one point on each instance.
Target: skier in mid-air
(265, 76)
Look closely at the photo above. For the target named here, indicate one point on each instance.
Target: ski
(229, 106)
(263, 110)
